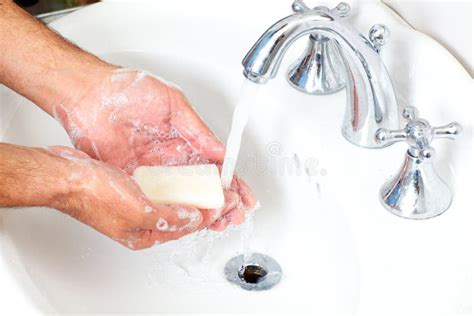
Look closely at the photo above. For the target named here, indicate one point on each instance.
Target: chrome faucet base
(416, 192)
(320, 70)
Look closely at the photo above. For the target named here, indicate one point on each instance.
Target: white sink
(340, 251)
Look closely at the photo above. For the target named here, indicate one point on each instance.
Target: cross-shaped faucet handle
(379, 34)
(418, 133)
(341, 10)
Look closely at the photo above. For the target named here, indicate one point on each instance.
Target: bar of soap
(197, 185)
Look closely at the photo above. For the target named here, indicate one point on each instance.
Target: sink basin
(320, 217)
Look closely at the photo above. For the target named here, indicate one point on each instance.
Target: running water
(193, 254)
(247, 230)
(248, 95)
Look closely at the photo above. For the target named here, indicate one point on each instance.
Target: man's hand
(124, 118)
(111, 202)
(99, 195)
(133, 119)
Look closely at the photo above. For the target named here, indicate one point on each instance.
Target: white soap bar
(197, 185)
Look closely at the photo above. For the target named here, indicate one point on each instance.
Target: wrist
(71, 83)
(73, 107)
(68, 188)
(33, 177)
(54, 184)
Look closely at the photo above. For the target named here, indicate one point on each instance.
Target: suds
(149, 209)
(114, 100)
(193, 216)
(162, 225)
(124, 73)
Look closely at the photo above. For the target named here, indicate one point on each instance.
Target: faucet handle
(299, 6)
(417, 191)
(341, 10)
(451, 130)
(379, 35)
(418, 133)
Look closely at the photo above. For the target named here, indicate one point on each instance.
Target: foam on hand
(197, 185)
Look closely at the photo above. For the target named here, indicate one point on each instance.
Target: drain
(257, 273)
(252, 273)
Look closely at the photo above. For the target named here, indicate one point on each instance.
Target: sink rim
(64, 26)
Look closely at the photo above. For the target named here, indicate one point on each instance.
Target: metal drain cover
(258, 272)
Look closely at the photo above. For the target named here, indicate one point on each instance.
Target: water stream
(247, 97)
(192, 256)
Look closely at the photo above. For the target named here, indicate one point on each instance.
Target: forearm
(32, 177)
(40, 64)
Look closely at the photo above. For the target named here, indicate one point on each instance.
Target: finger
(195, 223)
(140, 240)
(248, 197)
(232, 199)
(166, 223)
(211, 147)
(193, 129)
(172, 218)
(148, 238)
(220, 224)
(235, 216)
(163, 237)
(244, 200)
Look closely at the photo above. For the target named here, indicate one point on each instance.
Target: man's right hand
(110, 201)
(97, 194)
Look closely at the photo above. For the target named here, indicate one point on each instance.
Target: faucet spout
(371, 101)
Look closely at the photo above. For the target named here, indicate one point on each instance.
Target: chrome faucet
(417, 191)
(337, 56)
